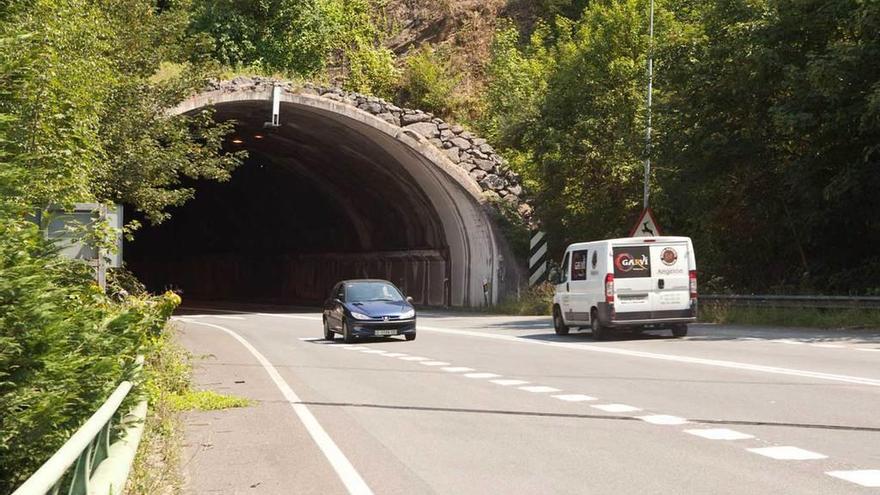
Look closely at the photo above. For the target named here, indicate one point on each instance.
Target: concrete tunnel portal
(332, 193)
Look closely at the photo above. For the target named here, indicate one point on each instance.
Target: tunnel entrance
(333, 193)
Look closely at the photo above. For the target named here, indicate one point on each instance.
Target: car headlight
(359, 316)
(408, 314)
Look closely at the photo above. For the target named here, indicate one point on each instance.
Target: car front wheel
(328, 334)
(410, 336)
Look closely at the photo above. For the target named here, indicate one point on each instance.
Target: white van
(632, 283)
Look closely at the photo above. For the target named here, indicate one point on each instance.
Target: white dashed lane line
(507, 382)
(719, 434)
(539, 389)
(663, 419)
(574, 397)
(869, 478)
(481, 375)
(615, 408)
(788, 453)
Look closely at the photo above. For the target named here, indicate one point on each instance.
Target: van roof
(633, 240)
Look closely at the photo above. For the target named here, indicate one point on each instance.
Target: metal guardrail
(98, 467)
(779, 301)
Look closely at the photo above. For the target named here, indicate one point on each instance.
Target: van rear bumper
(611, 318)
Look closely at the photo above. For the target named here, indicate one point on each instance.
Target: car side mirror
(409, 299)
(554, 277)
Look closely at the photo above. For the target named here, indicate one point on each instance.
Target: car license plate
(385, 332)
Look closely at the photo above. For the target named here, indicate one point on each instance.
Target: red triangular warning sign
(647, 226)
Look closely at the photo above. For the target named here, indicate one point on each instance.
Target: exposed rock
(485, 148)
(452, 154)
(436, 142)
(484, 164)
(387, 117)
(494, 182)
(457, 129)
(443, 125)
(412, 118)
(373, 108)
(515, 189)
(461, 143)
(427, 129)
(479, 154)
(479, 142)
(445, 134)
(477, 174)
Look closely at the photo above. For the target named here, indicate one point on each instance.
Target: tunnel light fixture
(258, 136)
(237, 141)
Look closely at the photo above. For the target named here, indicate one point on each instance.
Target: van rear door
(670, 291)
(633, 285)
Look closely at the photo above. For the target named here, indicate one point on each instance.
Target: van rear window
(632, 262)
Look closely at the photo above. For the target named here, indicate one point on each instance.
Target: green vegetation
(82, 118)
(534, 301)
(168, 386)
(64, 347)
(766, 130)
(791, 317)
(300, 38)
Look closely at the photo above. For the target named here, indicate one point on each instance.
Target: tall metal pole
(650, 87)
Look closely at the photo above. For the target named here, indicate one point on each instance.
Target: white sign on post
(646, 226)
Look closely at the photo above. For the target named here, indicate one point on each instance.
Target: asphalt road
(485, 405)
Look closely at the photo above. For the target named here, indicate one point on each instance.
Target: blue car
(368, 308)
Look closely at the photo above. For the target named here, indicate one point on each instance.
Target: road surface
(489, 404)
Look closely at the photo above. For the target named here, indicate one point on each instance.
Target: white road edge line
(666, 357)
(349, 476)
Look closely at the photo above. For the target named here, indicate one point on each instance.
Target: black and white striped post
(537, 258)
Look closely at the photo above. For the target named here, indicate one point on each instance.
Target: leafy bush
(535, 301)
(428, 82)
(64, 347)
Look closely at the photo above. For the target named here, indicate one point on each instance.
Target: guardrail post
(79, 485)
(103, 445)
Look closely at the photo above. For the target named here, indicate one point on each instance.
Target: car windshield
(372, 291)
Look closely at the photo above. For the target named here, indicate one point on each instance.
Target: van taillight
(609, 288)
(693, 283)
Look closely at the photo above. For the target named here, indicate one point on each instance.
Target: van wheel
(558, 323)
(680, 331)
(599, 331)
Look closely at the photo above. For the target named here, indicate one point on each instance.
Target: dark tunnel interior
(316, 201)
